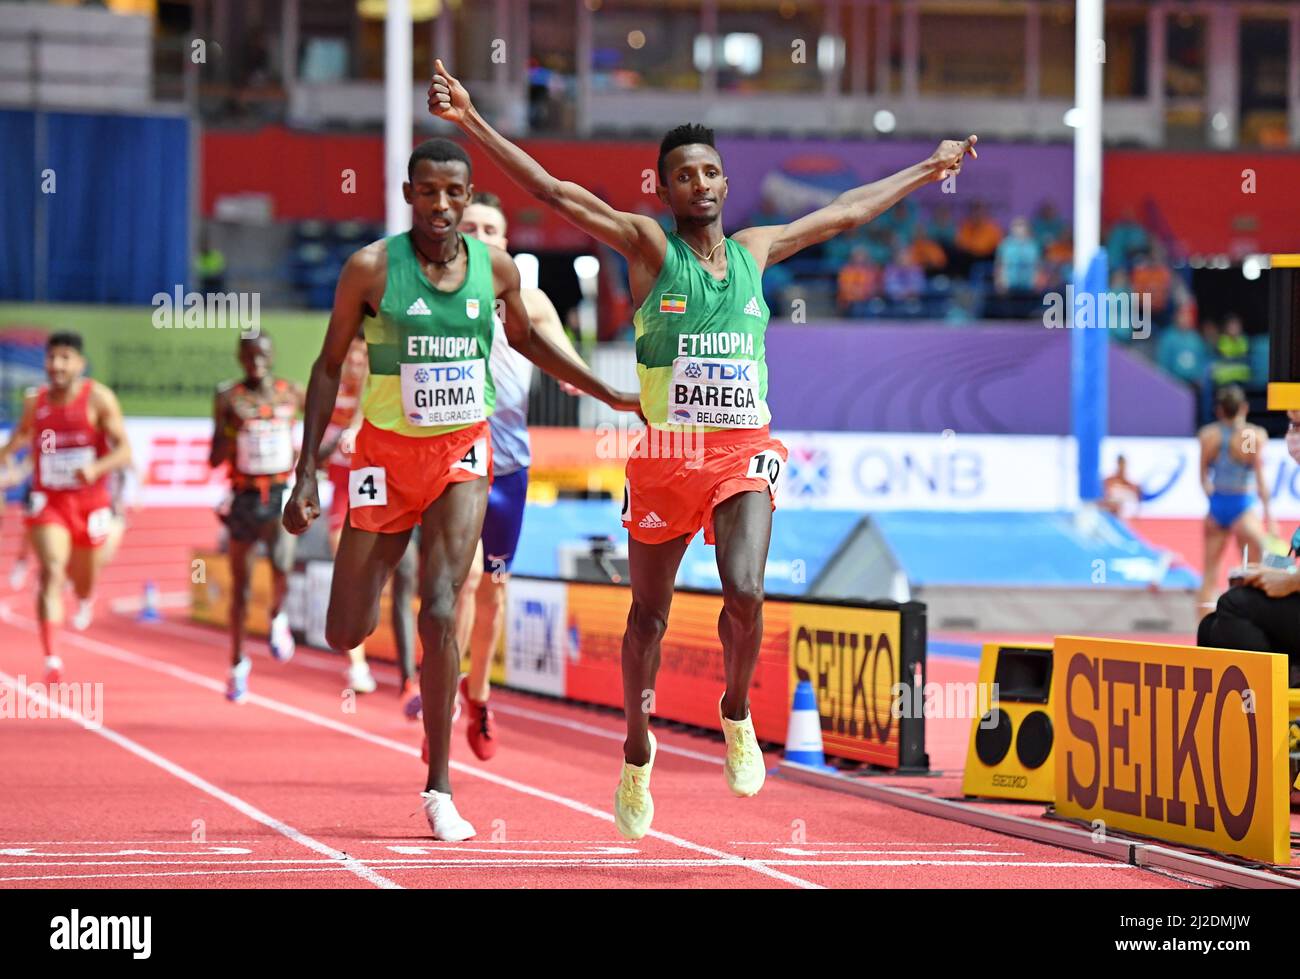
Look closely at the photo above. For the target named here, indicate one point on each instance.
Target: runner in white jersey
(481, 607)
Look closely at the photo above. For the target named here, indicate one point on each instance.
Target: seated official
(1262, 611)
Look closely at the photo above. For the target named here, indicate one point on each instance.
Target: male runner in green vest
(699, 345)
(423, 455)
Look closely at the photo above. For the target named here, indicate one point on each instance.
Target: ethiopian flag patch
(668, 303)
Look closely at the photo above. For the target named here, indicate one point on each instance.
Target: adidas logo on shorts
(418, 308)
(751, 308)
(652, 520)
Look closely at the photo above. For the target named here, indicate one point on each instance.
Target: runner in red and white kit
(75, 429)
(253, 421)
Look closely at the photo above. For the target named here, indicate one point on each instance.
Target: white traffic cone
(803, 740)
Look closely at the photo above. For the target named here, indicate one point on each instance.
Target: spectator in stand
(1047, 225)
(1125, 238)
(210, 264)
(942, 230)
(928, 253)
(902, 220)
(1017, 271)
(1018, 257)
(1058, 261)
(1116, 308)
(977, 239)
(858, 283)
(904, 281)
(1151, 276)
(1232, 363)
(1180, 349)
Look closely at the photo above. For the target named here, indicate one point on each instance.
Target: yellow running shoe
(633, 807)
(744, 765)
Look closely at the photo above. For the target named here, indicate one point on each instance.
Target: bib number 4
(767, 466)
(367, 487)
(475, 460)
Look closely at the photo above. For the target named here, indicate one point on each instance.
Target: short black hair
(683, 135)
(65, 338)
(487, 199)
(437, 150)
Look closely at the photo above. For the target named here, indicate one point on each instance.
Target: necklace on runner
(434, 261)
(709, 257)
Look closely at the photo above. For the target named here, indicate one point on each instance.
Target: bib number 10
(766, 465)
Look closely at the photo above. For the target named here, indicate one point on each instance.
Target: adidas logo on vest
(418, 308)
(751, 308)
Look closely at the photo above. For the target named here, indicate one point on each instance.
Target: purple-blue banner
(985, 379)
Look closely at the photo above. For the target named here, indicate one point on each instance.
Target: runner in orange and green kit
(707, 460)
(425, 300)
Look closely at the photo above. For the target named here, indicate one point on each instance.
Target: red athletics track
(178, 788)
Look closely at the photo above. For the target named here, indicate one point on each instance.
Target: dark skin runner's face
(255, 357)
(437, 193)
(696, 187)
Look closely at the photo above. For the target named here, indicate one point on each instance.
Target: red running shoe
(482, 729)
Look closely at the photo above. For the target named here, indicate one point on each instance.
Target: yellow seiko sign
(1179, 743)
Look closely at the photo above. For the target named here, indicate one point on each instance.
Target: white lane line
(124, 842)
(312, 659)
(346, 862)
(174, 873)
(180, 673)
(653, 864)
(849, 843)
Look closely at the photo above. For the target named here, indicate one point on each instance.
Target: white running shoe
(85, 614)
(53, 669)
(743, 768)
(17, 575)
(446, 823)
(281, 639)
(634, 809)
(360, 679)
(237, 684)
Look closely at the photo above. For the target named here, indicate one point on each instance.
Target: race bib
(367, 486)
(767, 466)
(717, 393)
(59, 468)
(475, 460)
(448, 393)
(98, 523)
(264, 446)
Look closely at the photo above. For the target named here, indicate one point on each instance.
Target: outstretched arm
(775, 243)
(634, 236)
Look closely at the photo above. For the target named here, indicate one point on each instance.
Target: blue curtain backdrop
(18, 189)
(118, 220)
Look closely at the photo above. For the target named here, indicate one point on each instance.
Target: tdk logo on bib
(452, 372)
(719, 371)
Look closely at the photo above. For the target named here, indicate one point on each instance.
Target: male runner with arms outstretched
(253, 431)
(77, 436)
(425, 299)
(699, 344)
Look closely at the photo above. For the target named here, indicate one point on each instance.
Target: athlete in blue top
(1232, 459)
(481, 608)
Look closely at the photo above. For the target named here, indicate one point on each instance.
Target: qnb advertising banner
(1168, 470)
(937, 471)
(1174, 742)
